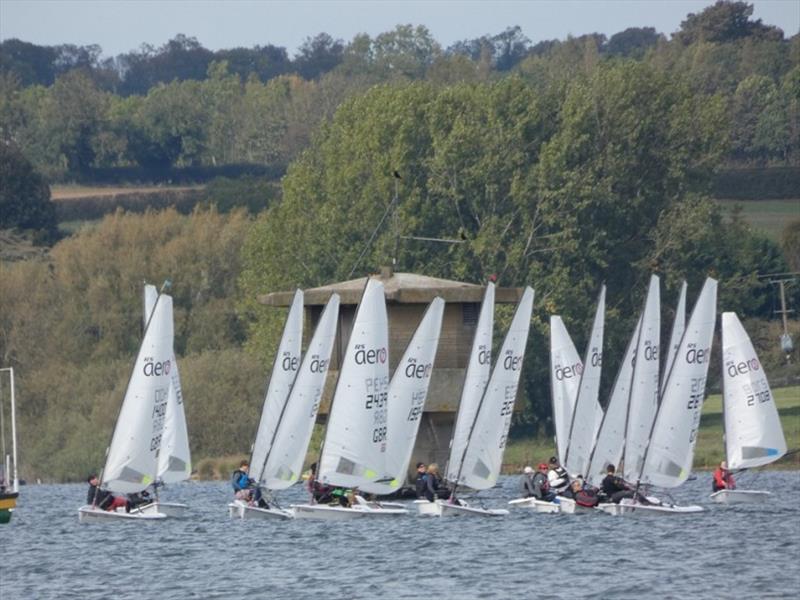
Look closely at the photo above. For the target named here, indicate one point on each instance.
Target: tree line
(181, 104)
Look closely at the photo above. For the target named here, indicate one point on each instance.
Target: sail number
(757, 393)
(417, 404)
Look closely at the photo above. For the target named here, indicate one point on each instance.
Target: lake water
(725, 552)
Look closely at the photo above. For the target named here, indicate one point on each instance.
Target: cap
(527, 470)
(542, 466)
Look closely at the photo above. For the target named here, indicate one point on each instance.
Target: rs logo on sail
(156, 368)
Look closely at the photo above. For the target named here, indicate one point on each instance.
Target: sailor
(615, 488)
(723, 478)
(526, 482)
(245, 488)
(320, 493)
(100, 498)
(433, 482)
(557, 476)
(421, 483)
(541, 485)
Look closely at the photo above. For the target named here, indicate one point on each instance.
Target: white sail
(484, 454)
(285, 461)
(611, 437)
(671, 451)
(150, 297)
(284, 372)
(643, 402)
(174, 457)
(753, 432)
(407, 392)
(587, 415)
(678, 327)
(475, 380)
(565, 378)
(354, 452)
(131, 463)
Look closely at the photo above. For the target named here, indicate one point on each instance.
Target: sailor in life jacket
(557, 476)
(723, 478)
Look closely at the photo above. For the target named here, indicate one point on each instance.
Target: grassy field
(70, 192)
(769, 216)
(709, 451)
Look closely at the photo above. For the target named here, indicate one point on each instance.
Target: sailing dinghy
(668, 455)
(132, 458)
(355, 446)
(579, 400)
(478, 465)
(278, 454)
(174, 458)
(475, 379)
(753, 433)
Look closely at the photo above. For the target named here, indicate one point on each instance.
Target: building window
(469, 313)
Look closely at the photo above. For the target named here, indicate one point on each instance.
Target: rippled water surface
(725, 552)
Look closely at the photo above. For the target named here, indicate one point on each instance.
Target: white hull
(170, 509)
(457, 510)
(428, 509)
(629, 507)
(740, 496)
(361, 508)
(570, 507)
(92, 514)
(539, 506)
(240, 510)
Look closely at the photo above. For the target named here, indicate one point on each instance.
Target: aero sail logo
(742, 367)
(371, 356)
(157, 368)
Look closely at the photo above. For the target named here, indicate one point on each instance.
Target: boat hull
(92, 514)
(457, 510)
(428, 509)
(628, 507)
(170, 509)
(568, 506)
(240, 510)
(538, 506)
(740, 496)
(361, 508)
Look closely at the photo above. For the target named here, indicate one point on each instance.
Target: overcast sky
(119, 26)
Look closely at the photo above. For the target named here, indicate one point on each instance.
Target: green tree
(24, 194)
(73, 116)
(725, 21)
